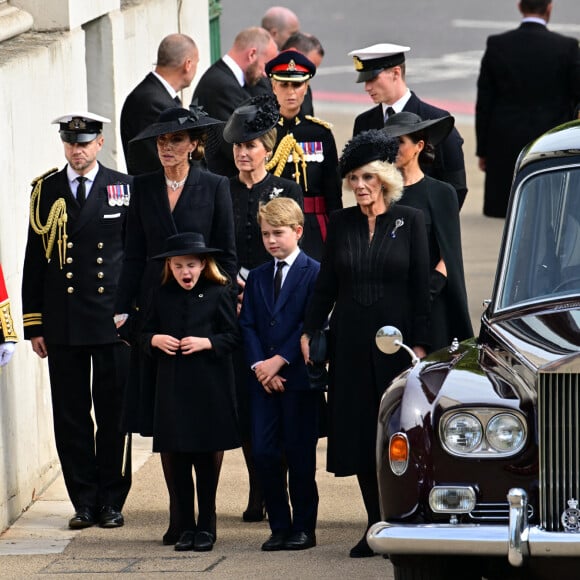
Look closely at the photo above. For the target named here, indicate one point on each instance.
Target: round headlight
(505, 432)
(462, 433)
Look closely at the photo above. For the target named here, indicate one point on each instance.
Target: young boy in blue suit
(285, 409)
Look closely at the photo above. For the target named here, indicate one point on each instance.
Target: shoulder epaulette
(43, 176)
(325, 124)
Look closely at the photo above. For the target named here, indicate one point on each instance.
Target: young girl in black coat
(192, 328)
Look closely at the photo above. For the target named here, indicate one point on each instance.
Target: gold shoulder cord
(55, 222)
(318, 121)
(289, 146)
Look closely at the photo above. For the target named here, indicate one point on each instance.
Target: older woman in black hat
(251, 130)
(438, 202)
(191, 329)
(375, 271)
(305, 150)
(178, 198)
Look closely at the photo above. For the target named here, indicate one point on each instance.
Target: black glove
(436, 284)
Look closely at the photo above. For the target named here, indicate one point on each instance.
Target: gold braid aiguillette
(289, 146)
(55, 221)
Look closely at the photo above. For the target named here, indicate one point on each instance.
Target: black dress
(449, 311)
(194, 395)
(245, 202)
(321, 184)
(369, 285)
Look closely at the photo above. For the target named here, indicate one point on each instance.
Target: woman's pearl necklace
(175, 185)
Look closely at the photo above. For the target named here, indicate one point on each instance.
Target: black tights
(370, 493)
(177, 469)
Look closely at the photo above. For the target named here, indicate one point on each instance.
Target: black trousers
(91, 459)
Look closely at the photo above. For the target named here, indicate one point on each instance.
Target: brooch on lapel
(119, 194)
(276, 191)
(398, 223)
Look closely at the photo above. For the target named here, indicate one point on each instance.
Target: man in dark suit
(529, 82)
(177, 59)
(229, 82)
(72, 263)
(284, 408)
(381, 68)
(281, 23)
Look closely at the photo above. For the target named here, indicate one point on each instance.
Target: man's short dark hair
(304, 43)
(534, 6)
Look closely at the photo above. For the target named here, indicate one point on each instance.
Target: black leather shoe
(203, 541)
(362, 549)
(300, 541)
(276, 542)
(170, 538)
(185, 541)
(110, 517)
(254, 514)
(83, 518)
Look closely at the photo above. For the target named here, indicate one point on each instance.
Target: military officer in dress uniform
(305, 149)
(72, 263)
(8, 336)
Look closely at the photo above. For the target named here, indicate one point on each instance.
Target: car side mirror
(389, 340)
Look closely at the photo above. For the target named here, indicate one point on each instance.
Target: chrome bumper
(516, 541)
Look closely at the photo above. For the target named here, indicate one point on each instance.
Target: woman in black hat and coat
(375, 271)
(438, 201)
(251, 130)
(180, 197)
(190, 329)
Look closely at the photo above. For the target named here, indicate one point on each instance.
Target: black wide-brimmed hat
(177, 119)
(252, 119)
(373, 145)
(185, 244)
(405, 123)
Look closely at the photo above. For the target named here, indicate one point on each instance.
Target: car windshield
(542, 259)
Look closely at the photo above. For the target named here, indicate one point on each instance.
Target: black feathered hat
(252, 119)
(373, 145)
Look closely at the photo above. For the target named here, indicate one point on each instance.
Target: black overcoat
(194, 395)
(369, 286)
(529, 82)
(140, 109)
(449, 164)
(219, 93)
(449, 309)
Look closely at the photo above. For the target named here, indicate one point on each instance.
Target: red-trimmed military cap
(290, 65)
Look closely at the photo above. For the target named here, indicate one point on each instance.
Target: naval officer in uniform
(72, 263)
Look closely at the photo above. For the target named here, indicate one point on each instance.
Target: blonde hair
(390, 178)
(281, 211)
(268, 139)
(211, 271)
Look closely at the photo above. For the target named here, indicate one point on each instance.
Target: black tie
(278, 279)
(177, 100)
(390, 111)
(81, 191)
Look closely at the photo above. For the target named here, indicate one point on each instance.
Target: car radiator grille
(559, 445)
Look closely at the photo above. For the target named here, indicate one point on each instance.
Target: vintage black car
(478, 445)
